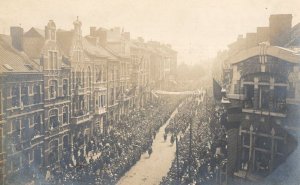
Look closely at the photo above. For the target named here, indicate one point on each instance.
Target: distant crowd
(206, 159)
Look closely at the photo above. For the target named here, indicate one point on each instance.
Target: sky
(197, 29)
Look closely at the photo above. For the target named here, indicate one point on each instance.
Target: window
(37, 124)
(53, 155)
(15, 131)
(65, 115)
(25, 95)
(1, 150)
(36, 94)
(78, 79)
(89, 77)
(53, 60)
(65, 87)
(50, 60)
(15, 96)
(104, 74)
(82, 78)
(1, 105)
(103, 101)
(15, 163)
(53, 89)
(25, 124)
(99, 74)
(53, 119)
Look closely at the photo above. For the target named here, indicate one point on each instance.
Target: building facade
(261, 78)
(22, 111)
(59, 89)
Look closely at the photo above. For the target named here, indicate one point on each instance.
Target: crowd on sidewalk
(207, 157)
(105, 158)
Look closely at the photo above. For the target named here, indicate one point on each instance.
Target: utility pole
(177, 159)
(107, 86)
(190, 147)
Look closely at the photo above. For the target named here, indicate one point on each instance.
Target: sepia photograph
(149, 92)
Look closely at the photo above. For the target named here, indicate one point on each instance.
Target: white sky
(197, 29)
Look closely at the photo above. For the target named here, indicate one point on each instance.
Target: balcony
(100, 86)
(293, 101)
(236, 96)
(81, 118)
(79, 91)
(100, 110)
(52, 131)
(264, 112)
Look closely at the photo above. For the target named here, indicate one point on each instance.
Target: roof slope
(12, 61)
(33, 46)
(279, 52)
(65, 41)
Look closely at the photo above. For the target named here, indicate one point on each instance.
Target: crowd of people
(107, 157)
(204, 158)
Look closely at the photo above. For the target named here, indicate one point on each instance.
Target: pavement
(151, 170)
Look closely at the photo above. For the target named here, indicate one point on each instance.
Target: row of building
(260, 75)
(59, 88)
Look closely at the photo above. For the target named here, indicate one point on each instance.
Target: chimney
(16, 34)
(102, 35)
(93, 31)
(126, 35)
(263, 34)
(280, 28)
(140, 39)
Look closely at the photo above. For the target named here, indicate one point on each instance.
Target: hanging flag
(217, 90)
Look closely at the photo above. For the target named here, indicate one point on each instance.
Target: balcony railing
(52, 131)
(81, 119)
(100, 110)
(264, 112)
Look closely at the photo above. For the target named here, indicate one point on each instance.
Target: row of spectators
(107, 157)
(206, 158)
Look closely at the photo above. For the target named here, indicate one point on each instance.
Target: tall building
(59, 89)
(22, 113)
(42, 47)
(262, 86)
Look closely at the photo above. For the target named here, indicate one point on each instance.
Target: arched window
(53, 118)
(65, 115)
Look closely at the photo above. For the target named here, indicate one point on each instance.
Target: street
(150, 170)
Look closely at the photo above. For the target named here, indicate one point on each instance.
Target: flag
(217, 90)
